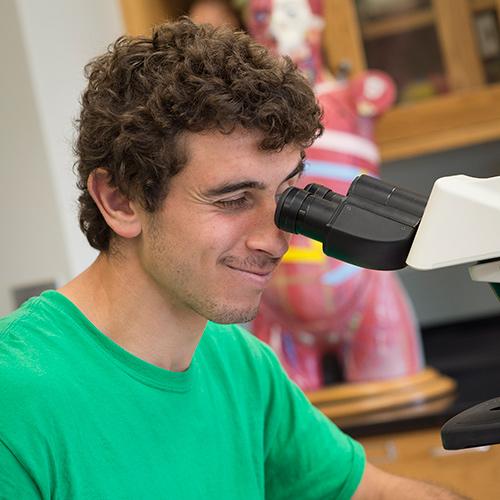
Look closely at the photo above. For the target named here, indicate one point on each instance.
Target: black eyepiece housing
(373, 226)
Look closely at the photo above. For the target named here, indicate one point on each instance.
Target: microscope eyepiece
(373, 226)
(299, 211)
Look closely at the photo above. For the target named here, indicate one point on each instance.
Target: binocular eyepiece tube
(373, 226)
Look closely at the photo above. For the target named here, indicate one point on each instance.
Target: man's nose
(266, 236)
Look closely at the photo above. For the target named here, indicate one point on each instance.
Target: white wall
(46, 44)
(31, 238)
(61, 36)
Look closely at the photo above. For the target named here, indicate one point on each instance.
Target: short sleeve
(15, 482)
(307, 456)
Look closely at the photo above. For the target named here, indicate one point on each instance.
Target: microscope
(384, 227)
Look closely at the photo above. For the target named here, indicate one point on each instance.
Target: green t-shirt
(81, 418)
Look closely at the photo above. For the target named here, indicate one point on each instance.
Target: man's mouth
(262, 276)
(259, 271)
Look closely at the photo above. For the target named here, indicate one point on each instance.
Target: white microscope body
(380, 226)
(460, 224)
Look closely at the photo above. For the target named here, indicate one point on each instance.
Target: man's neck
(127, 306)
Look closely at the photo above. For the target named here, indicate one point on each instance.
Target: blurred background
(444, 56)
(447, 120)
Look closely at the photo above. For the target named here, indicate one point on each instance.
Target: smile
(259, 277)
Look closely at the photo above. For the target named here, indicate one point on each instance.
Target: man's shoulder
(17, 329)
(19, 316)
(25, 347)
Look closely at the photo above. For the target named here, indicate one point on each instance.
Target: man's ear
(118, 211)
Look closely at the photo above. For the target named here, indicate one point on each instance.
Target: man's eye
(237, 203)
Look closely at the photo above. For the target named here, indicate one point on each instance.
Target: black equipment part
(476, 426)
(373, 226)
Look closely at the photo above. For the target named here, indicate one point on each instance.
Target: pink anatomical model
(315, 306)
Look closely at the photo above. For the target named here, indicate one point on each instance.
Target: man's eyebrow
(297, 170)
(231, 187)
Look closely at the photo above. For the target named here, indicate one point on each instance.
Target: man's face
(213, 245)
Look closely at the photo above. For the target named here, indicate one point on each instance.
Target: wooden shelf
(394, 25)
(419, 18)
(479, 5)
(444, 122)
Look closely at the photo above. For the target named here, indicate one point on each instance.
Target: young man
(116, 386)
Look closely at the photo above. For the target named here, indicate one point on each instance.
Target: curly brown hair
(143, 93)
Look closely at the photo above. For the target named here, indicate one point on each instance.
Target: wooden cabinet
(474, 472)
(140, 15)
(444, 54)
(445, 57)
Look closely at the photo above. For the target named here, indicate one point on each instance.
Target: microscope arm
(459, 226)
(379, 226)
(471, 237)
